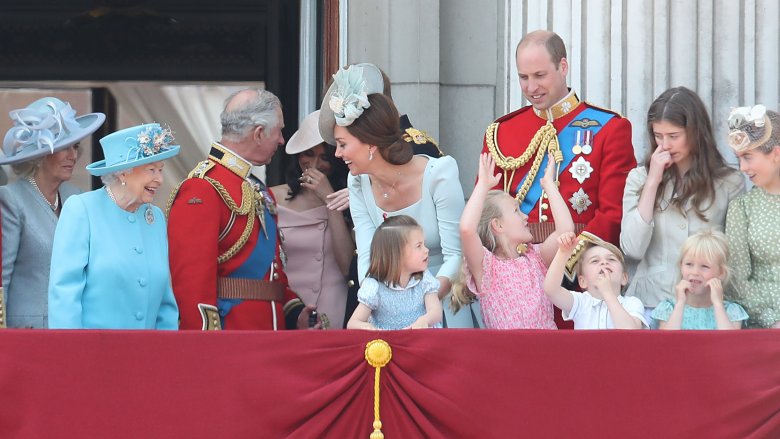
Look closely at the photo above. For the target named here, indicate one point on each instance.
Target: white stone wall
(453, 69)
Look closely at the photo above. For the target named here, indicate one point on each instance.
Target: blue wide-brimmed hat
(44, 127)
(134, 146)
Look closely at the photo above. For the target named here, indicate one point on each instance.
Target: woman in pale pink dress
(316, 239)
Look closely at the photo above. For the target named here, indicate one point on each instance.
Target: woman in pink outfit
(316, 239)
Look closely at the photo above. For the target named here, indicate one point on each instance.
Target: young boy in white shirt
(600, 269)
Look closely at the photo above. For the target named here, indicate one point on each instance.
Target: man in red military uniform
(227, 266)
(595, 145)
(592, 147)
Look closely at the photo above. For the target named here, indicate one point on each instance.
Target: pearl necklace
(111, 195)
(52, 206)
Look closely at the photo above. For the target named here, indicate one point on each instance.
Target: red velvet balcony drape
(439, 384)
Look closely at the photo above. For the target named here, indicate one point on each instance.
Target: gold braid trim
(546, 139)
(247, 206)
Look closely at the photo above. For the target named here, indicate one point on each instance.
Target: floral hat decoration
(752, 127)
(134, 146)
(44, 127)
(347, 97)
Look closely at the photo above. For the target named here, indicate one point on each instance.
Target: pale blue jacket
(109, 268)
(28, 232)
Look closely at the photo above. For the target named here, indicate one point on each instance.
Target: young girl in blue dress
(398, 292)
(698, 302)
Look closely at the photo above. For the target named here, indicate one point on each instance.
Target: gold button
(544, 218)
(545, 205)
(351, 283)
(276, 265)
(544, 195)
(276, 276)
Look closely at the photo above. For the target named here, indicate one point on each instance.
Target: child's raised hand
(681, 290)
(486, 168)
(567, 242)
(548, 180)
(716, 290)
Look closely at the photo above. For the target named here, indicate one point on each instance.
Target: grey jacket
(28, 233)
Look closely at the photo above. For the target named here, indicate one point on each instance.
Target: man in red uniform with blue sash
(594, 143)
(227, 266)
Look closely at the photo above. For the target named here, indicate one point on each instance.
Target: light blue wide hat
(134, 146)
(44, 127)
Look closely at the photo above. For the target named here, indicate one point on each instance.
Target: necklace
(387, 193)
(56, 203)
(111, 195)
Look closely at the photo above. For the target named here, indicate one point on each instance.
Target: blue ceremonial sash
(258, 263)
(591, 119)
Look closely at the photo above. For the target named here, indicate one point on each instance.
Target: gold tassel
(378, 354)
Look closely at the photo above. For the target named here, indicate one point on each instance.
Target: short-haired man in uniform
(225, 252)
(592, 145)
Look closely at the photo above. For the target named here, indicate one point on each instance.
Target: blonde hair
(710, 245)
(387, 248)
(461, 295)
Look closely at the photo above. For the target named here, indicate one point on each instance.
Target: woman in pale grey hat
(387, 179)
(317, 240)
(42, 148)
(109, 265)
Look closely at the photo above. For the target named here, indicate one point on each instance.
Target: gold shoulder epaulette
(607, 110)
(198, 172)
(201, 169)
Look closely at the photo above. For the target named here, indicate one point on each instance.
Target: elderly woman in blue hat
(110, 258)
(42, 148)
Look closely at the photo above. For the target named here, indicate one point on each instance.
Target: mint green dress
(699, 318)
(753, 229)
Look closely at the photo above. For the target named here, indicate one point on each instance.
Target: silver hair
(111, 177)
(259, 111)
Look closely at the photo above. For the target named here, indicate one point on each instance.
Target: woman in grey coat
(42, 148)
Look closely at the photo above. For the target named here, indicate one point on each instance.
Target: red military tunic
(611, 158)
(202, 227)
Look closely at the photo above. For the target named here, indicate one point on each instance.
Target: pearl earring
(124, 183)
(370, 155)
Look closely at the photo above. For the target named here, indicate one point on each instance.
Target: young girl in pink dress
(503, 269)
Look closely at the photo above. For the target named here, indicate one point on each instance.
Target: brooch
(149, 214)
(580, 201)
(580, 169)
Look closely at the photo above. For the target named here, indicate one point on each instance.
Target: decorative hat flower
(151, 141)
(41, 127)
(349, 98)
(746, 127)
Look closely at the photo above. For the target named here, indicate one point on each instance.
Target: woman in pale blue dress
(42, 148)
(110, 256)
(388, 180)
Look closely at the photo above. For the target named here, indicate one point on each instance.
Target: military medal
(587, 146)
(580, 201)
(580, 169)
(149, 214)
(577, 148)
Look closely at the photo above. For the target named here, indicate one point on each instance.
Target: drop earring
(370, 155)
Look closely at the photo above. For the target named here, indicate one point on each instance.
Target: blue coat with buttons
(109, 268)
